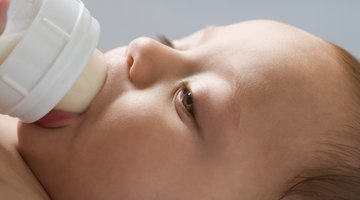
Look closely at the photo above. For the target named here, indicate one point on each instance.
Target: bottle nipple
(86, 87)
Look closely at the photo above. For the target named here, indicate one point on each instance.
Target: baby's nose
(4, 4)
(152, 62)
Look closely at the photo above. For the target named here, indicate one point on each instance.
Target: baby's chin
(56, 124)
(39, 145)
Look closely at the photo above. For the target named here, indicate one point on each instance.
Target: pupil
(187, 100)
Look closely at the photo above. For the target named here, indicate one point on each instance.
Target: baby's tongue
(57, 118)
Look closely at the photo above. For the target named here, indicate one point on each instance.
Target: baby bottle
(48, 59)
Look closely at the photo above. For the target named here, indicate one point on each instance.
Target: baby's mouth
(57, 119)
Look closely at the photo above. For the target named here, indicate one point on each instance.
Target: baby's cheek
(121, 51)
(113, 60)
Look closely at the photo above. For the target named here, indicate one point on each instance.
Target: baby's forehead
(288, 60)
(256, 35)
(272, 52)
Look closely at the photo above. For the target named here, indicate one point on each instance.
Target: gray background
(124, 20)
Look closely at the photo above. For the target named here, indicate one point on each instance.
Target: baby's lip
(57, 119)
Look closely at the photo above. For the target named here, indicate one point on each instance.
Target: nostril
(130, 60)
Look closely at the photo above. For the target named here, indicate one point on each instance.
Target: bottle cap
(47, 61)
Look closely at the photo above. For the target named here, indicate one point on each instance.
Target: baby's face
(230, 112)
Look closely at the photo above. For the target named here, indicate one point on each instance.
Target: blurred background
(125, 20)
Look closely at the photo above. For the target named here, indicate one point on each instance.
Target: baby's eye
(187, 100)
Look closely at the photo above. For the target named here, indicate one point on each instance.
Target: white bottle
(48, 59)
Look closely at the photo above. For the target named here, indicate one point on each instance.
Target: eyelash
(185, 92)
(165, 41)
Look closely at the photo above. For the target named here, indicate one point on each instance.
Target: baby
(254, 110)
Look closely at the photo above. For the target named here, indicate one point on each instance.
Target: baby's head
(255, 110)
